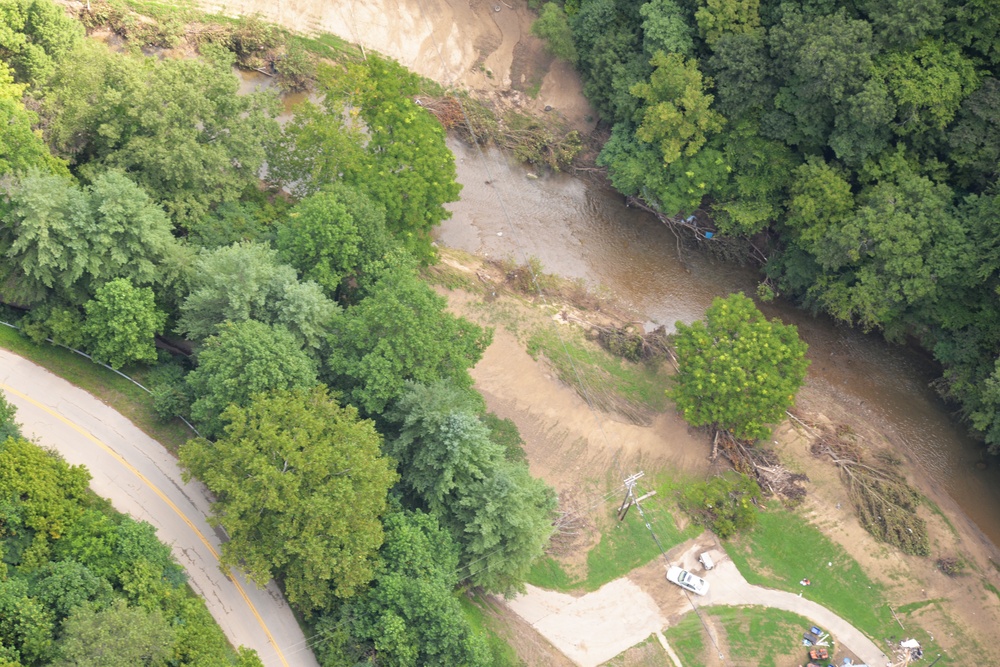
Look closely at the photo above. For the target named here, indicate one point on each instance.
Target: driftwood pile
(885, 503)
(632, 343)
(761, 464)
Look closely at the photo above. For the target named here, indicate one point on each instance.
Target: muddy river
(584, 231)
(580, 230)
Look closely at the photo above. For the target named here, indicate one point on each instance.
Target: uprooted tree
(886, 504)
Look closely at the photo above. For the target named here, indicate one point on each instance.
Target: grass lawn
(785, 548)
(752, 636)
(503, 653)
(607, 381)
(109, 387)
(688, 639)
(623, 546)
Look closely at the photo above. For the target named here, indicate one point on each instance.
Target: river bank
(581, 452)
(583, 232)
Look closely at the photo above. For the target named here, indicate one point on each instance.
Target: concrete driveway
(593, 628)
(142, 479)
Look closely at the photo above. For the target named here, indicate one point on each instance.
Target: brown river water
(581, 230)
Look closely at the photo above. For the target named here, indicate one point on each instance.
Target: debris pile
(761, 464)
(885, 503)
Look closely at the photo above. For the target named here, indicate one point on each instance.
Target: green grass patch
(548, 573)
(762, 636)
(688, 639)
(784, 548)
(623, 547)
(184, 10)
(759, 636)
(993, 589)
(328, 46)
(502, 652)
(914, 606)
(606, 381)
(116, 391)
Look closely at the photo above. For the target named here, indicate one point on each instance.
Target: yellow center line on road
(79, 429)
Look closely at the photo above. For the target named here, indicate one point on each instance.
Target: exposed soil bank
(481, 45)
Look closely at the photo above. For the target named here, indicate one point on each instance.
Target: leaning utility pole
(630, 498)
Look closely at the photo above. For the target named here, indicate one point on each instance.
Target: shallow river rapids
(579, 230)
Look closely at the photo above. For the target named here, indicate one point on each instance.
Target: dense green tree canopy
(498, 514)
(553, 26)
(34, 36)
(178, 127)
(245, 359)
(400, 160)
(64, 241)
(118, 636)
(122, 322)
(301, 484)
(411, 615)
(22, 147)
(336, 237)
(737, 370)
(400, 332)
(247, 281)
(677, 115)
(79, 582)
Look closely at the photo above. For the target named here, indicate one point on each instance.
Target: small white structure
(706, 561)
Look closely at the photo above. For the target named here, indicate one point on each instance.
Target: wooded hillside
(855, 143)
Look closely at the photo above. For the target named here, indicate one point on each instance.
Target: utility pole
(630, 498)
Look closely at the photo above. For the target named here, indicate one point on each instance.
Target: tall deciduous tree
(664, 28)
(335, 235)
(401, 161)
(824, 60)
(677, 116)
(247, 281)
(61, 240)
(179, 127)
(411, 615)
(242, 360)
(720, 17)
(499, 515)
(928, 84)
(118, 636)
(21, 148)
(553, 27)
(975, 136)
(737, 370)
(122, 322)
(34, 36)
(400, 332)
(898, 251)
(301, 486)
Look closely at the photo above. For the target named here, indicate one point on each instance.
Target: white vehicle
(685, 579)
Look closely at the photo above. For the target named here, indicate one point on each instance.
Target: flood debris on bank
(884, 501)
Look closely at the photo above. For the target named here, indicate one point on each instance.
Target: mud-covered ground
(580, 451)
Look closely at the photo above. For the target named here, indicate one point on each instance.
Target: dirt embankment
(485, 46)
(480, 45)
(579, 452)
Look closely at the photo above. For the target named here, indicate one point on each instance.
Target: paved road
(593, 628)
(142, 479)
(730, 588)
